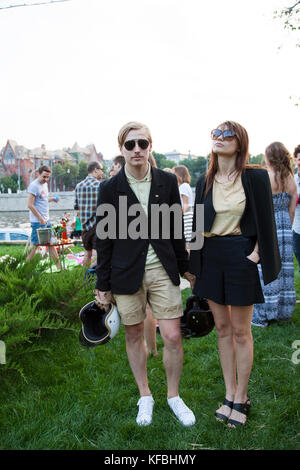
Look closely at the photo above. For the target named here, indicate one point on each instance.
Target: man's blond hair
(132, 126)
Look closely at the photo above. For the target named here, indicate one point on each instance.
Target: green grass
(77, 398)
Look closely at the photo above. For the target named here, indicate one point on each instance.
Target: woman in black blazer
(239, 232)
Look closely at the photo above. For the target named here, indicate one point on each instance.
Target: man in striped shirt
(86, 194)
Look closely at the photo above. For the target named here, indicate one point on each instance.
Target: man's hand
(42, 221)
(53, 199)
(191, 278)
(103, 299)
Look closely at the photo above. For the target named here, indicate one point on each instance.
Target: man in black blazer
(140, 262)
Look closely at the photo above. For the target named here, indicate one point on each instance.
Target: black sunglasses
(142, 143)
(226, 135)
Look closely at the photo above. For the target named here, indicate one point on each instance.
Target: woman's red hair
(242, 157)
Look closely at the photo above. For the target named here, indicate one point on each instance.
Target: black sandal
(220, 416)
(241, 408)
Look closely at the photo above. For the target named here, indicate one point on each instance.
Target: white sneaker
(145, 405)
(183, 413)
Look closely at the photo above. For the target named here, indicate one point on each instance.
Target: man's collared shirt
(86, 195)
(141, 189)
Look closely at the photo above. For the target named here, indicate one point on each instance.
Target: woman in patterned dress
(280, 296)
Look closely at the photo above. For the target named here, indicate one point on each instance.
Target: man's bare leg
(137, 356)
(87, 257)
(32, 253)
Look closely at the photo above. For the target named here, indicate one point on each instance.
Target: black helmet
(197, 318)
(98, 325)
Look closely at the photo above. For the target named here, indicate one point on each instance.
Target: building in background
(17, 159)
(177, 157)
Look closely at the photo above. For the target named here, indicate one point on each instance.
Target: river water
(21, 219)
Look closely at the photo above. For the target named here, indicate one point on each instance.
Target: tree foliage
(31, 300)
(82, 170)
(291, 18)
(67, 174)
(11, 182)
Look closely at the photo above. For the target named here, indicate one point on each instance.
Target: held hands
(103, 299)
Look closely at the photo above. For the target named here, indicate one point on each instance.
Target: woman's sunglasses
(142, 143)
(226, 135)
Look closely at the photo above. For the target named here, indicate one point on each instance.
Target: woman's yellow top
(229, 202)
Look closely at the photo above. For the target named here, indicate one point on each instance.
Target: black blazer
(121, 262)
(257, 221)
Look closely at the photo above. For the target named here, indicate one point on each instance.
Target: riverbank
(20, 219)
(18, 202)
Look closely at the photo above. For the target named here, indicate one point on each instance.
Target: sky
(77, 71)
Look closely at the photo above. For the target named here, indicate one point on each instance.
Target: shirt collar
(91, 178)
(146, 178)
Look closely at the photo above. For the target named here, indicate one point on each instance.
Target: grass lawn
(77, 398)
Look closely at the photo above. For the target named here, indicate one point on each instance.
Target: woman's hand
(254, 256)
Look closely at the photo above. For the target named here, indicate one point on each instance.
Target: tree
(8, 182)
(168, 164)
(58, 173)
(291, 16)
(196, 167)
(257, 159)
(69, 177)
(82, 170)
(160, 159)
(16, 179)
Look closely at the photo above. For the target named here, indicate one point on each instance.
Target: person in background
(187, 200)
(133, 271)
(239, 232)
(76, 227)
(86, 194)
(296, 223)
(117, 164)
(66, 219)
(38, 205)
(280, 295)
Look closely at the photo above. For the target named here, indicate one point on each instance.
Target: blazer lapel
(209, 210)
(155, 195)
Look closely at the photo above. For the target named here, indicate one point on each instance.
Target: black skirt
(227, 276)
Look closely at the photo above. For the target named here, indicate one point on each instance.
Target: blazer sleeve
(104, 246)
(262, 201)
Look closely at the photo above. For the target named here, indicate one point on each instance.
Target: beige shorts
(158, 290)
